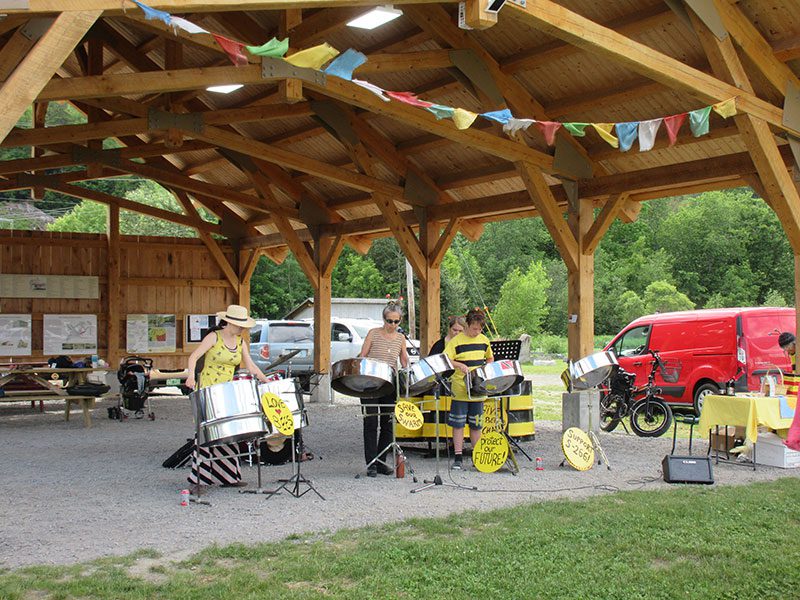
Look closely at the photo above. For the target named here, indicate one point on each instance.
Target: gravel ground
(72, 494)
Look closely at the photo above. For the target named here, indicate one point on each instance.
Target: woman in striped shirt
(387, 345)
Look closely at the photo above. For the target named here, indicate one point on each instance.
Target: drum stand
(397, 450)
(292, 485)
(437, 479)
(259, 489)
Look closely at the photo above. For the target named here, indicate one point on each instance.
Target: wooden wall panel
(158, 275)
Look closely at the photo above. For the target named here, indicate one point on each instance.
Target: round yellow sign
(490, 453)
(408, 415)
(578, 449)
(278, 413)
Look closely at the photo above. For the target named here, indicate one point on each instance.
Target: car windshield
(291, 333)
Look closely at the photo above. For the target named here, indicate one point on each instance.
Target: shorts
(462, 411)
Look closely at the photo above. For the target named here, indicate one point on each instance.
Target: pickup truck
(272, 339)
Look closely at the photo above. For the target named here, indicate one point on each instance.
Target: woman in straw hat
(223, 350)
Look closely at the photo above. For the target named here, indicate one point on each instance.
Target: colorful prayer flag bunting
(463, 118)
(647, 134)
(274, 48)
(344, 64)
(627, 133)
(604, 129)
(312, 58)
(673, 124)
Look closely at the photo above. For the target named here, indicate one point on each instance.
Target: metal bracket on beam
(471, 65)
(34, 180)
(84, 156)
(791, 106)
(707, 13)
(35, 28)
(275, 68)
(159, 119)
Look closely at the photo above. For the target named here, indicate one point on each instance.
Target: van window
(290, 333)
(632, 342)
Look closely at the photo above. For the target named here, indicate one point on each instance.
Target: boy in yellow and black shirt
(468, 350)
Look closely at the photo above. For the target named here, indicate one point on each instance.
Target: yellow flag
(604, 129)
(726, 108)
(313, 58)
(463, 118)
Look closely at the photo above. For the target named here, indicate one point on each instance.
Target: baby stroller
(134, 378)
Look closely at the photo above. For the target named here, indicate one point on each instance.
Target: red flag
(234, 50)
(409, 98)
(548, 129)
(673, 124)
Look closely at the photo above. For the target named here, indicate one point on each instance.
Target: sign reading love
(278, 413)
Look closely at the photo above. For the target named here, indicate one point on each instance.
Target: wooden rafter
(23, 85)
(602, 222)
(405, 236)
(569, 26)
(220, 258)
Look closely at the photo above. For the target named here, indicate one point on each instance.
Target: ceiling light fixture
(224, 89)
(376, 17)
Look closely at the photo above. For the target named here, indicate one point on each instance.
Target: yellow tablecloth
(747, 411)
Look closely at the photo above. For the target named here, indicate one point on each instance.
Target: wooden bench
(86, 403)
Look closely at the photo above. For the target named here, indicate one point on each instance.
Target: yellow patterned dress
(220, 363)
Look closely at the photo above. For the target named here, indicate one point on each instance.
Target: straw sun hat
(236, 315)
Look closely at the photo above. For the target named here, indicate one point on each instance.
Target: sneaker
(372, 471)
(457, 463)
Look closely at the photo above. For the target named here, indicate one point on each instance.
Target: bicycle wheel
(611, 406)
(651, 418)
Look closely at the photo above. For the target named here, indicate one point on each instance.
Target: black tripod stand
(292, 485)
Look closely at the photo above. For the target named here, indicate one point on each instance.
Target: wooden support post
(290, 90)
(326, 253)
(433, 247)
(580, 284)
(113, 300)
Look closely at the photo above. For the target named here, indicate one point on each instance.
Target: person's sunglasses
(395, 321)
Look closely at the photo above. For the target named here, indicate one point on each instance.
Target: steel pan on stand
(228, 412)
(363, 378)
(424, 375)
(592, 370)
(495, 377)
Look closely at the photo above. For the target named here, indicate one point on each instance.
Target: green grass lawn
(692, 542)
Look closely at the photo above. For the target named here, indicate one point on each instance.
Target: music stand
(293, 483)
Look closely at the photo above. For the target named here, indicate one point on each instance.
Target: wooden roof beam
(569, 26)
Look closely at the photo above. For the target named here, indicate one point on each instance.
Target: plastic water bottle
(184, 497)
(539, 466)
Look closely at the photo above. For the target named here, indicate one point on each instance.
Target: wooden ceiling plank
(552, 216)
(405, 62)
(562, 23)
(630, 25)
(787, 49)
(317, 27)
(437, 22)
(34, 71)
(750, 40)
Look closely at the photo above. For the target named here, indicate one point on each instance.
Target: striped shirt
(385, 349)
(473, 352)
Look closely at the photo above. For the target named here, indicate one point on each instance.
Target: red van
(712, 345)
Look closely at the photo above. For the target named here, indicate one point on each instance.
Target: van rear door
(760, 344)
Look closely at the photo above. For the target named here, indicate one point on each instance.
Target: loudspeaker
(687, 469)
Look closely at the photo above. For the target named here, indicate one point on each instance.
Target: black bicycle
(650, 415)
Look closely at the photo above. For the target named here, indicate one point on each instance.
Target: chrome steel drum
(592, 370)
(287, 390)
(495, 377)
(421, 377)
(362, 378)
(228, 412)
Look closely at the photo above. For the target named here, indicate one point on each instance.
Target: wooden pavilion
(302, 161)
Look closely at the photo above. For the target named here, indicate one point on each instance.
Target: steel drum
(286, 390)
(362, 378)
(592, 370)
(495, 377)
(229, 412)
(422, 376)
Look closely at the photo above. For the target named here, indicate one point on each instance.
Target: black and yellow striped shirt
(473, 352)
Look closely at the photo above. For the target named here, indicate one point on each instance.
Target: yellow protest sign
(578, 449)
(495, 418)
(278, 413)
(490, 453)
(408, 415)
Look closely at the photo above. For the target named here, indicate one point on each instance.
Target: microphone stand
(440, 385)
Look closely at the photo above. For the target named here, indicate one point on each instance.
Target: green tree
(662, 296)
(356, 276)
(454, 298)
(276, 289)
(774, 298)
(523, 301)
(631, 307)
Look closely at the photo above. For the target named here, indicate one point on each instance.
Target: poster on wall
(72, 335)
(196, 327)
(49, 286)
(150, 333)
(15, 335)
